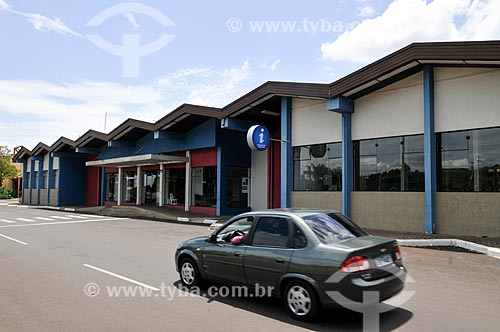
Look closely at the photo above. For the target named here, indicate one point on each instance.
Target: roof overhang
(40, 149)
(21, 153)
(63, 144)
(142, 160)
(92, 138)
(191, 115)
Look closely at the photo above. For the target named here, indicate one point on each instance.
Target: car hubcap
(187, 273)
(299, 300)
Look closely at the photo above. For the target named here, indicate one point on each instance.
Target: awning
(142, 160)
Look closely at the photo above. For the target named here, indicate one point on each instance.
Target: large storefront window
(318, 167)
(130, 187)
(111, 193)
(390, 164)
(238, 187)
(150, 187)
(204, 186)
(469, 160)
(175, 186)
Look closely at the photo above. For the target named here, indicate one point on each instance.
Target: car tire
(300, 300)
(189, 273)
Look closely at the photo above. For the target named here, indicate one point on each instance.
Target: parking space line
(12, 239)
(43, 218)
(77, 216)
(59, 217)
(122, 277)
(7, 221)
(61, 222)
(25, 219)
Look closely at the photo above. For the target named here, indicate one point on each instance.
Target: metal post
(187, 195)
(138, 200)
(120, 179)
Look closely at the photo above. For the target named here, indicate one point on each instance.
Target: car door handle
(237, 253)
(279, 260)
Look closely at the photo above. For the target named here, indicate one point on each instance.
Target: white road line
(12, 239)
(76, 216)
(62, 222)
(59, 217)
(4, 204)
(7, 221)
(122, 277)
(25, 219)
(43, 218)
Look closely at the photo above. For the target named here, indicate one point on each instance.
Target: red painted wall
(204, 157)
(93, 185)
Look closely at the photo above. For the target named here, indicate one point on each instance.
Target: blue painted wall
(72, 179)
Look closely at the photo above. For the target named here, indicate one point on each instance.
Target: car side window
(299, 238)
(237, 228)
(271, 232)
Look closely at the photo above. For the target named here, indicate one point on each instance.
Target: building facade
(410, 142)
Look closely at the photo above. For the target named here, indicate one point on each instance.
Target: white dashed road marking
(78, 217)
(7, 221)
(12, 239)
(122, 277)
(25, 219)
(43, 218)
(62, 222)
(59, 217)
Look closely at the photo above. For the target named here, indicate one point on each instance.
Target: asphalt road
(43, 277)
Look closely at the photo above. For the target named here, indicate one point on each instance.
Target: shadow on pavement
(327, 320)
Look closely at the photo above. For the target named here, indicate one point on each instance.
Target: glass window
(27, 184)
(150, 188)
(130, 187)
(318, 167)
(299, 238)
(238, 187)
(204, 186)
(45, 179)
(390, 164)
(175, 186)
(469, 160)
(239, 227)
(330, 228)
(35, 184)
(55, 180)
(111, 187)
(271, 232)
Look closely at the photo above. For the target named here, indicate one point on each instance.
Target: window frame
(250, 237)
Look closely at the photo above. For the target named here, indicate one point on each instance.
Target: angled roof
(21, 153)
(195, 113)
(40, 149)
(92, 139)
(63, 144)
(131, 129)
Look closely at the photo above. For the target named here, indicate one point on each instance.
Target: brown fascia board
(211, 112)
(479, 51)
(40, 147)
(20, 153)
(130, 123)
(295, 89)
(60, 142)
(91, 134)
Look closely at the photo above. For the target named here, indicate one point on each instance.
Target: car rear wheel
(189, 273)
(301, 300)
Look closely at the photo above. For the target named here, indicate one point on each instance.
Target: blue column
(220, 184)
(31, 179)
(103, 185)
(429, 150)
(50, 175)
(286, 151)
(25, 178)
(40, 180)
(345, 107)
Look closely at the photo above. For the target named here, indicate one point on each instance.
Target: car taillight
(398, 253)
(355, 264)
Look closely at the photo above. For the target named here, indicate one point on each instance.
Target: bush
(4, 193)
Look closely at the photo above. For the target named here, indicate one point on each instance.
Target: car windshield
(332, 227)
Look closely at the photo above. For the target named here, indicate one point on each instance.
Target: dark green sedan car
(305, 256)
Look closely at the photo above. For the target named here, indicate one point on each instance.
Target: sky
(70, 66)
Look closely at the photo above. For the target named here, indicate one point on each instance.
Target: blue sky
(54, 81)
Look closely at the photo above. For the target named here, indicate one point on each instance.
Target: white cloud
(270, 65)
(366, 11)
(131, 18)
(407, 21)
(32, 111)
(41, 22)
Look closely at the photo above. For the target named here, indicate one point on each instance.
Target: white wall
(313, 124)
(28, 165)
(258, 181)
(55, 163)
(394, 110)
(46, 162)
(466, 98)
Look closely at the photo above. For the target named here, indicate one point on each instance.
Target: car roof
(301, 212)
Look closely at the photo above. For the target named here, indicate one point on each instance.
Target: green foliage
(7, 169)
(4, 193)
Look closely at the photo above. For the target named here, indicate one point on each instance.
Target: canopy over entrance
(142, 160)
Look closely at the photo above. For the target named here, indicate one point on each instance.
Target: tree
(7, 169)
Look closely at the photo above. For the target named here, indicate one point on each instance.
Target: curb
(471, 246)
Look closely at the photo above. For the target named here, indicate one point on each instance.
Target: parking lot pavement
(43, 283)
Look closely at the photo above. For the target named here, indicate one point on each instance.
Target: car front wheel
(301, 301)
(189, 273)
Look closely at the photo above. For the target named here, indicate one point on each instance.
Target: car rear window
(331, 227)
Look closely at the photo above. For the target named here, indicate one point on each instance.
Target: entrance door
(150, 187)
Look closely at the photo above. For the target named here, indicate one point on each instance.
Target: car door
(223, 260)
(268, 254)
